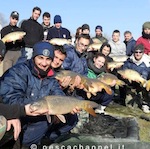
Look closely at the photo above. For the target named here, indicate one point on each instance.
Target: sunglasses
(138, 52)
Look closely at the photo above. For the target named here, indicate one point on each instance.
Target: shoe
(145, 108)
(100, 109)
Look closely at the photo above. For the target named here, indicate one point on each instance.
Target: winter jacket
(130, 46)
(74, 61)
(34, 32)
(145, 42)
(58, 33)
(22, 85)
(12, 46)
(142, 67)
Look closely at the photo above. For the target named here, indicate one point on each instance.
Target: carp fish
(119, 58)
(13, 36)
(94, 46)
(148, 85)
(132, 75)
(108, 78)
(114, 65)
(3, 124)
(60, 41)
(59, 105)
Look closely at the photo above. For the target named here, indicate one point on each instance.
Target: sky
(110, 14)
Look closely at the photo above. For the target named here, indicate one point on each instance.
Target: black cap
(15, 14)
(85, 26)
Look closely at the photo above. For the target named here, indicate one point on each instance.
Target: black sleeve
(12, 111)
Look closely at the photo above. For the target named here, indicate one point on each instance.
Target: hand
(35, 113)
(75, 110)
(77, 83)
(113, 83)
(65, 81)
(17, 127)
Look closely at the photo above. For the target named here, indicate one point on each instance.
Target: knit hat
(57, 19)
(85, 26)
(139, 47)
(146, 25)
(2, 49)
(43, 48)
(99, 27)
(15, 14)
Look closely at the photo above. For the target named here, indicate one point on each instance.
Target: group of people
(31, 62)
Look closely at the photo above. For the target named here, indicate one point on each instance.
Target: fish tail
(89, 105)
(144, 82)
(108, 89)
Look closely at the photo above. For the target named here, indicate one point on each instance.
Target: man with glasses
(12, 48)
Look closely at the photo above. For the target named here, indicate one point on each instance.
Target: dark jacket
(12, 46)
(22, 85)
(58, 33)
(34, 32)
(74, 61)
(130, 46)
(12, 111)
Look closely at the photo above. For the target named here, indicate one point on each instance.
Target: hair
(127, 32)
(37, 8)
(46, 14)
(77, 32)
(116, 31)
(61, 49)
(86, 36)
(99, 54)
(105, 44)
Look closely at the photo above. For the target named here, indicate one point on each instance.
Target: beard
(146, 36)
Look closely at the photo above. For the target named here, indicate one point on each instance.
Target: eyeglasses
(82, 45)
(138, 52)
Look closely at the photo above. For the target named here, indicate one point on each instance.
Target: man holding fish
(27, 83)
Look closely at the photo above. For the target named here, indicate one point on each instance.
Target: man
(117, 47)
(12, 48)
(145, 38)
(46, 23)
(130, 42)
(34, 33)
(99, 35)
(58, 31)
(27, 83)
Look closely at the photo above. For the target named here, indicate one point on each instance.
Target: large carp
(60, 41)
(59, 105)
(108, 78)
(119, 58)
(114, 65)
(13, 36)
(3, 124)
(132, 75)
(94, 47)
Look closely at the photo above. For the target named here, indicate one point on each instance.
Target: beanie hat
(43, 48)
(2, 49)
(99, 27)
(139, 47)
(146, 25)
(85, 26)
(57, 19)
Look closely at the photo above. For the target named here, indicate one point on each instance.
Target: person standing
(34, 34)
(13, 51)
(145, 38)
(58, 31)
(130, 43)
(46, 23)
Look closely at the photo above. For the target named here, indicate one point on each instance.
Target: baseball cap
(15, 14)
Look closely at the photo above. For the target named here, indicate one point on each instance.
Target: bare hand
(65, 81)
(75, 110)
(17, 127)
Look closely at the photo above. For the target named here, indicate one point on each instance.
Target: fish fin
(108, 89)
(48, 118)
(90, 110)
(62, 118)
(120, 83)
(111, 69)
(88, 95)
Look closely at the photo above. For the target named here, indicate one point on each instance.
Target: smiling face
(99, 62)
(138, 54)
(58, 59)
(43, 62)
(106, 50)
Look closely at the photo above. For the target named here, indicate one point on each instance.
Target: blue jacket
(20, 84)
(130, 46)
(58, 33)
(142, 68)
(74, 61)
